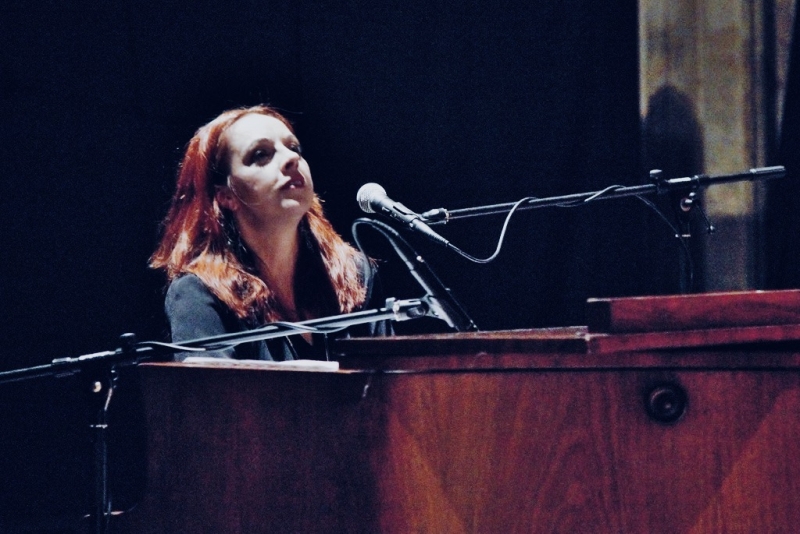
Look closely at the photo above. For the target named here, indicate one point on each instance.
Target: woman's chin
(296, 204)
(295, 207)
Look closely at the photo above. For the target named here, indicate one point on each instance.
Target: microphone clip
(372, 198)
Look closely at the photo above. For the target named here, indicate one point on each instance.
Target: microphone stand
(100, 370)
(658, 185)
(441, 301)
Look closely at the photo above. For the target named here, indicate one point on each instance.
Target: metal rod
(442, 215)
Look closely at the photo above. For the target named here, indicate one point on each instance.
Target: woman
(245, 241)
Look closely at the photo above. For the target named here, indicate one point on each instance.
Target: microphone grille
(367, 194)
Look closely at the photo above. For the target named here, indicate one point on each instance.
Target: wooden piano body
(668, 414)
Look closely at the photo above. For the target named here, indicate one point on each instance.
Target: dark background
(445, 104)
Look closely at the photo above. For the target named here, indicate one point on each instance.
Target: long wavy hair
(200, 237)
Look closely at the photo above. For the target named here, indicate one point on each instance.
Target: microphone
(372, 198)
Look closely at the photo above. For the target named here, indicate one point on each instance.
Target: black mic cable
(441, 302)
(372, 198)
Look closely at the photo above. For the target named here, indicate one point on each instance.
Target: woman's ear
(226, 199)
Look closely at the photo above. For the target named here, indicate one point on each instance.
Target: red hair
(198, 237)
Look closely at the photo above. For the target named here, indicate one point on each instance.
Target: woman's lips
(295, 182)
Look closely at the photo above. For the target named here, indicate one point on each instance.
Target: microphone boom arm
(442, 215)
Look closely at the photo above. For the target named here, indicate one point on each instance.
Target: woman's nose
(291, 159)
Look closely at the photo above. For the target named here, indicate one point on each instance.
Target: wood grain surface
(515, 450)
(693, 312)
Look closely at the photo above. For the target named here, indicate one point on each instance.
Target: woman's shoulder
(187, 286)
(364, 266)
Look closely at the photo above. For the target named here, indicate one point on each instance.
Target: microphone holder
(658, 185)
(100, 371)
(437, 296)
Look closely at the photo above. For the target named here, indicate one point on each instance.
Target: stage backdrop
(445, 104)
(783, 199)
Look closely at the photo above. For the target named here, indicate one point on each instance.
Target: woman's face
(268, 176)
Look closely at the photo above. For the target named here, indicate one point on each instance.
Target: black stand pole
(103, 389)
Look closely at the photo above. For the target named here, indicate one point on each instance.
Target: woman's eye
(296, 148)
(261, 156)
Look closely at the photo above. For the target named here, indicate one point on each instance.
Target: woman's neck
(276, 250)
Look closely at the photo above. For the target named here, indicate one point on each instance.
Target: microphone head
(367, 194)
